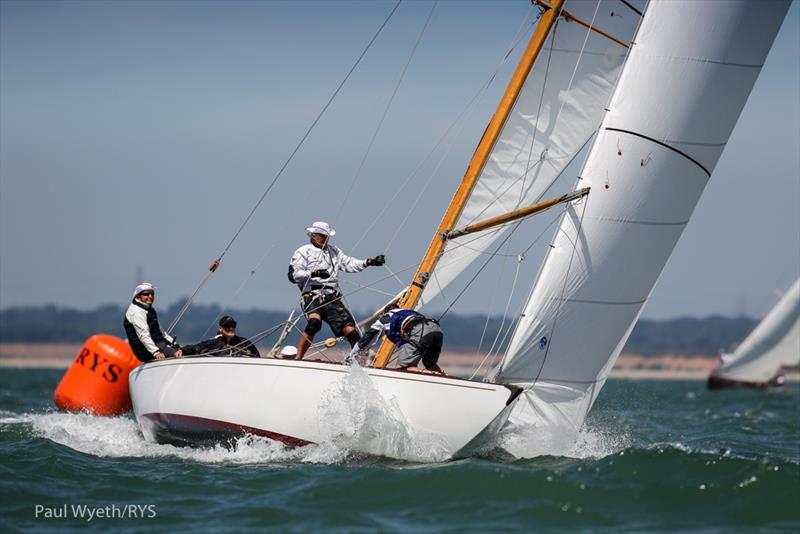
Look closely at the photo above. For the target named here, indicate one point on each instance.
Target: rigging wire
(585, 158)
(530, 153)
(385, 112)
(238, 290)
(283, 167)
(528, 166)
(561, 296)
(535, 128)
(496, 292)
(467, 109)
(475, 276)
(261, 335)
(503, 321)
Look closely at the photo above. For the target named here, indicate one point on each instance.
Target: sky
(135, 137)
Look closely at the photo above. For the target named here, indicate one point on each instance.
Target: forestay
(775, 342)
(680, 94)
(559, 107)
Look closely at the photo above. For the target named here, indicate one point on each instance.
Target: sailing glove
(320, 273)
(376, 261)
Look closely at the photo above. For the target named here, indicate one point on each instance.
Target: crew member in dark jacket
(225, 343)
(147, 339)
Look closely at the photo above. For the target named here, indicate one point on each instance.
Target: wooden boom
(436, 248)
(517, 214)
(569, 16)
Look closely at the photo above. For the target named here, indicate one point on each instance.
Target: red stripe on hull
(188, 429)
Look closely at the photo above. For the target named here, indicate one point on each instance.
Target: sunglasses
(146, 294)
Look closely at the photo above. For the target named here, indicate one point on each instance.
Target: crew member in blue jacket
(416, 336)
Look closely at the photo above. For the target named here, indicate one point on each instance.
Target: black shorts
(331, 310)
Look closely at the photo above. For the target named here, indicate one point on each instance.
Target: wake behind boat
(213, 399)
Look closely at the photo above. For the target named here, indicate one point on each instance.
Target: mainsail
(775, 342)
(559, 107)
(680, 94)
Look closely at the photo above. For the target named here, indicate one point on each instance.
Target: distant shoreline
(628, 366)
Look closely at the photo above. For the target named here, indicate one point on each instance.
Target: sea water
(654, 455)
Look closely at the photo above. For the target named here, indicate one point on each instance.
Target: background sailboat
(774, 343)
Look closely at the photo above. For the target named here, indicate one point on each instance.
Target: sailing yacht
(658, 92)
(758, 361)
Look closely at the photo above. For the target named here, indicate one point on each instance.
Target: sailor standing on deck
(147, 339)
(315, 269)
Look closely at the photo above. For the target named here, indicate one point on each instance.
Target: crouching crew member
(145, 336)
(225, 343)
(315, 269)
(417, 338)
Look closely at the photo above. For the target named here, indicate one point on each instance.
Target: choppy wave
(655, 456)
(351, 430)
(358, 423)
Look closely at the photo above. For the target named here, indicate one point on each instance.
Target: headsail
(559, 107)
(775, 342)
(680, 94)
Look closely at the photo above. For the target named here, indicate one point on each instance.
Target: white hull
(210, 399)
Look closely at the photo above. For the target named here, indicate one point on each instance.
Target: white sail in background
(775, 342)
(680, 94)
(559, 107)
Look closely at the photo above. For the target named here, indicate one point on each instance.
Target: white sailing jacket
(143, 330)
(309, 258)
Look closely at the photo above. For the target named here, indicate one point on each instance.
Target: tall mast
(475, 168)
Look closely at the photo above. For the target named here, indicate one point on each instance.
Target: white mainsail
(775, 342)
(558, 109)
(680, 94)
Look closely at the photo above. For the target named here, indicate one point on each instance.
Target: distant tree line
(51, 324)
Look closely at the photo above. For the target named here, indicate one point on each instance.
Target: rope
(481, 91)
(254, 339)
(490, 311)
(189, 301)
(385, 112)
(523, 177)
(368, 287)
(503, 321)
(561, 296)
(238, 290)
(450, 306)
(283, 167)
(520, 259)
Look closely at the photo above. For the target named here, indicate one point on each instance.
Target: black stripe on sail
(684, 154)
(630, 6)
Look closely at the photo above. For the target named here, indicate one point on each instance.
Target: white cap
(321, 227)
(144, 286)
(289, 350)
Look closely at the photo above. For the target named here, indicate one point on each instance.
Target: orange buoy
(97, 381)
